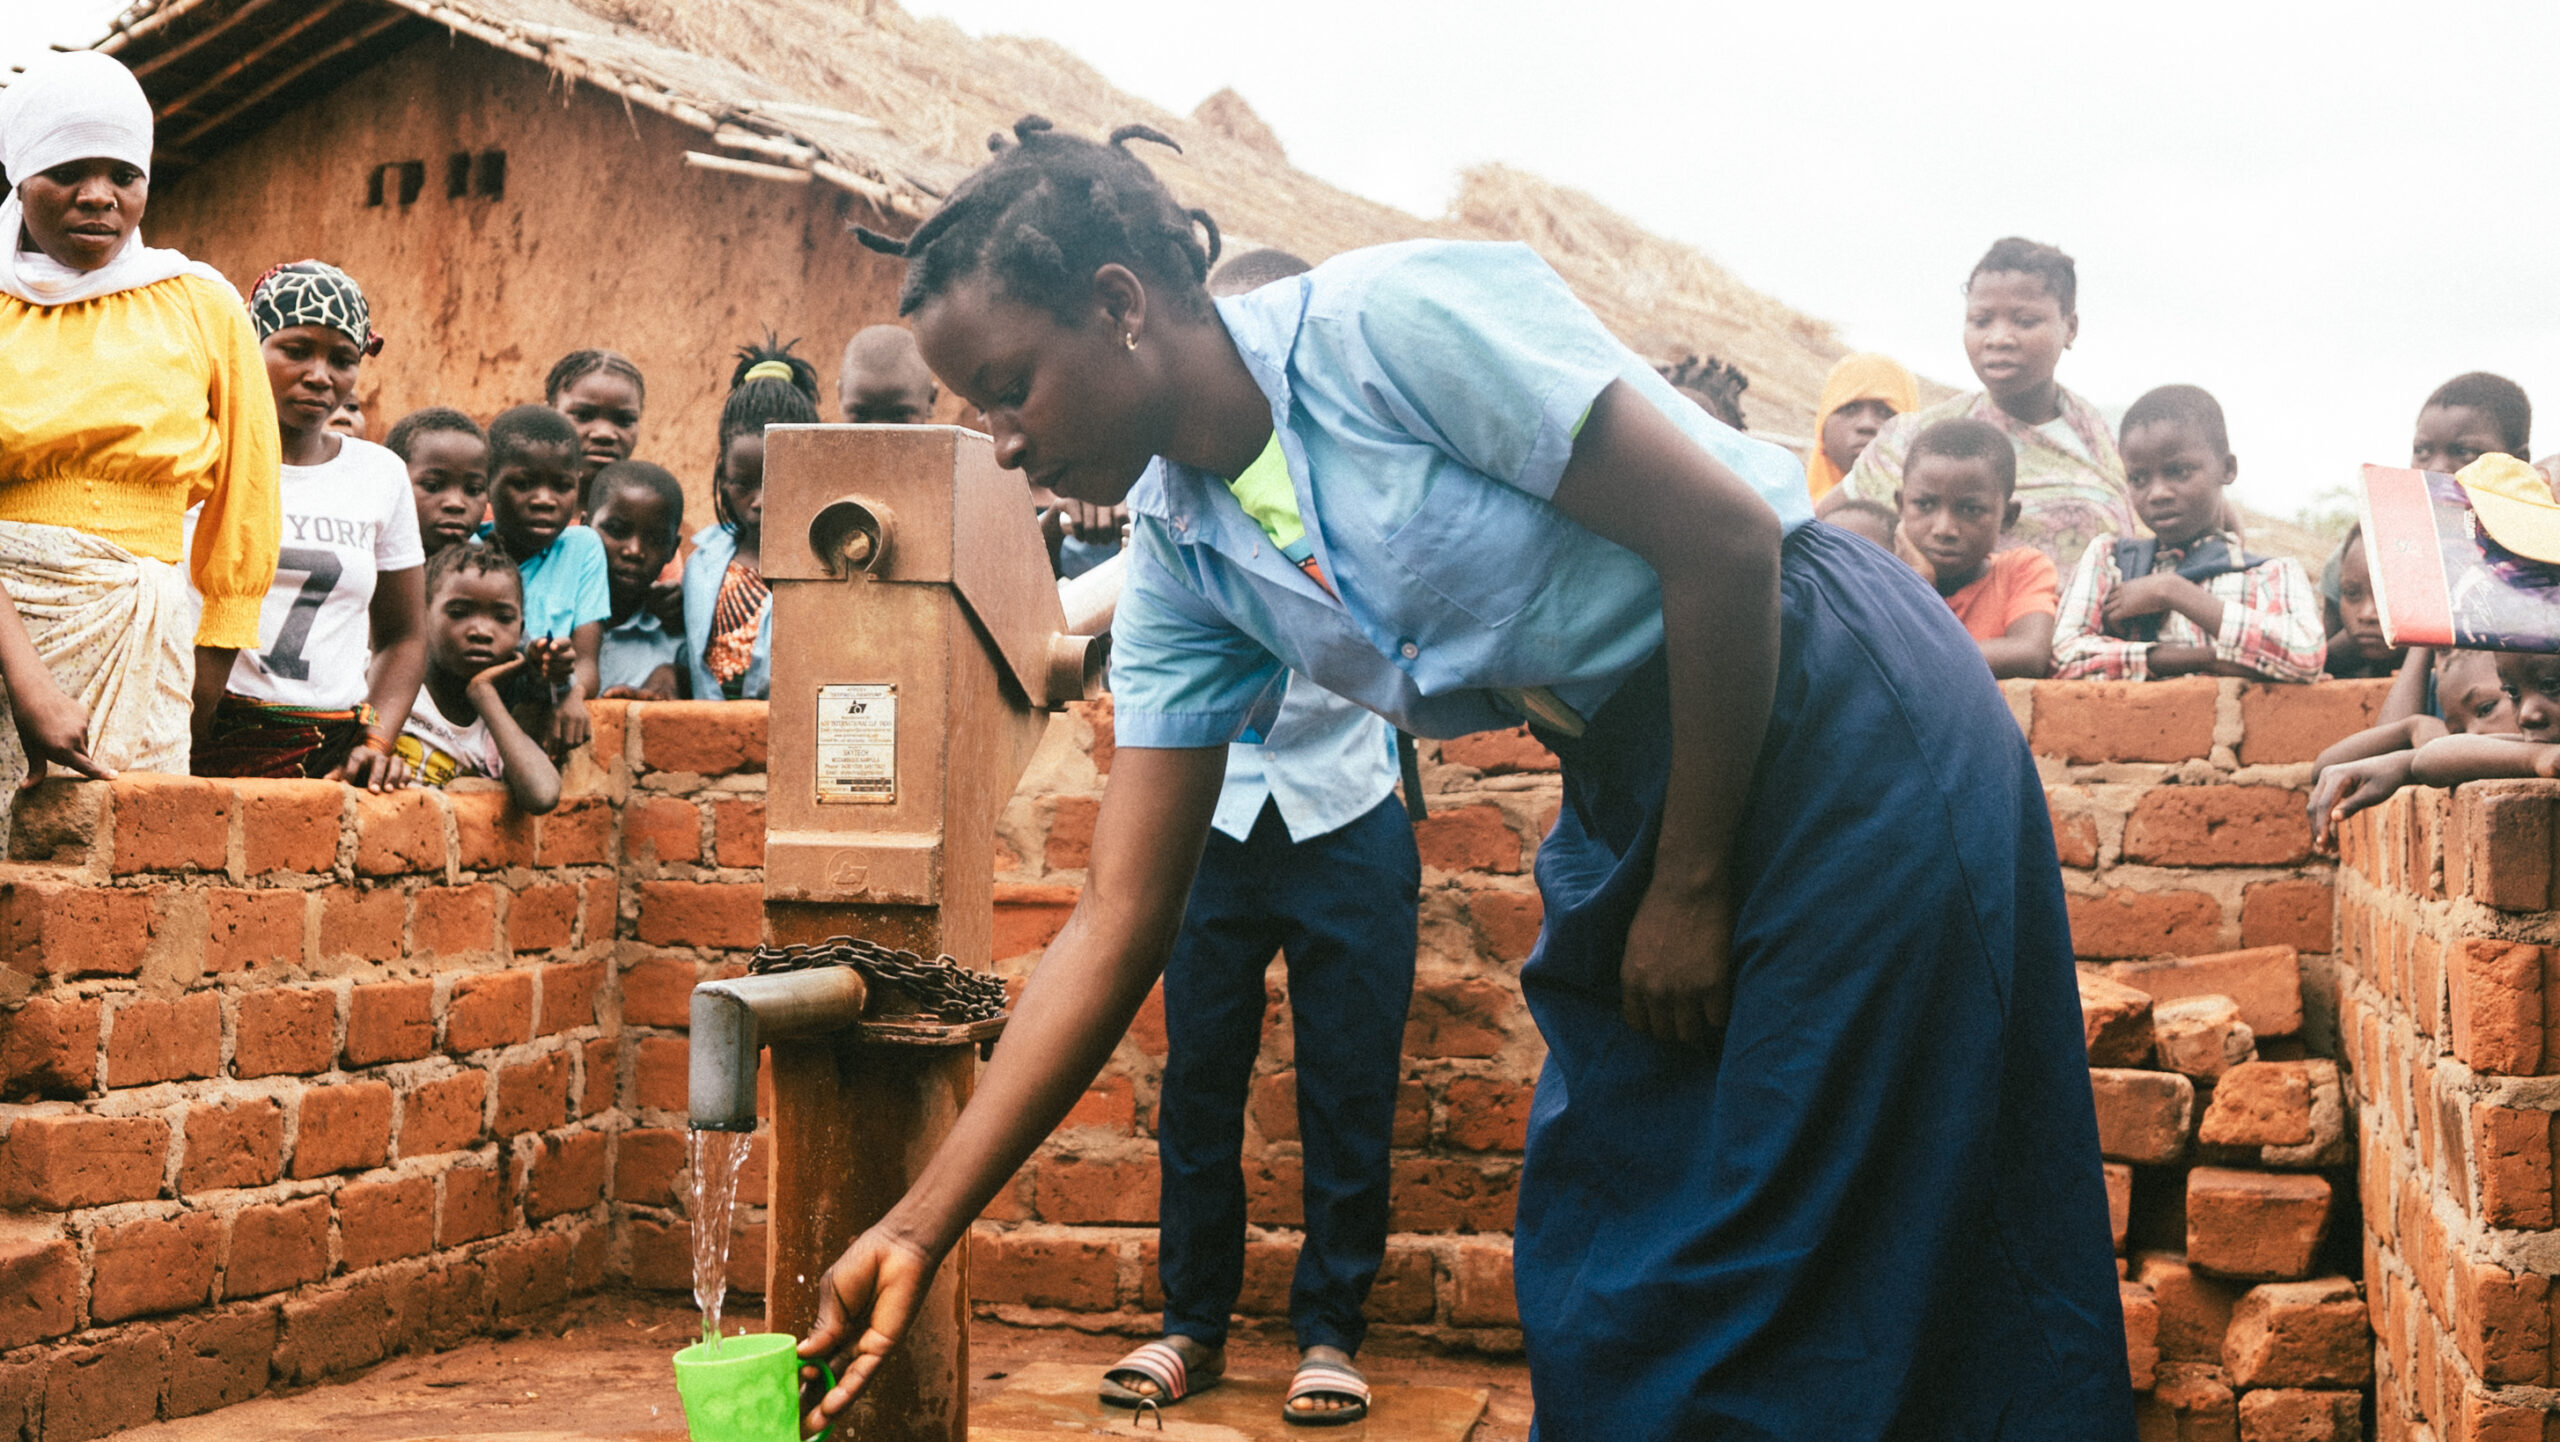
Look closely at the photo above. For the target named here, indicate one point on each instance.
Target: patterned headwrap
(312, 292)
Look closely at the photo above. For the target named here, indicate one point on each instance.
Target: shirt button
(1409, 650)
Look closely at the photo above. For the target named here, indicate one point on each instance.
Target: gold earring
(1129, 338)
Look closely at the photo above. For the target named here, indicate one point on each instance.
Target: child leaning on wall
(2469, 697)
(533, 504)
(2186, 600)
(728, 609)
(1958, 496)
(460, 725)
(637, 510)
(2474, 414)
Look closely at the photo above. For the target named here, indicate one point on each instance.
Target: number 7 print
(320, 570)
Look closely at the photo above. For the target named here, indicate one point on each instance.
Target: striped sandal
(1320, 1378)
(1159, 1362)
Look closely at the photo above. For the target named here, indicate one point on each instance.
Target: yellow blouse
(117, 414)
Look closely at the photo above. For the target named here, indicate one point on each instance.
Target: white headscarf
(77, 105)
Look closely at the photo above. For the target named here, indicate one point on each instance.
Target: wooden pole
(754, 168)
(293, 73)
(150, 25)
(192, 43)
(257, 53)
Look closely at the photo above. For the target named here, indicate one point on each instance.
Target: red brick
(239, 1144)
(66, 930)
(2502, 1323)
(171, 823)
(289, 825)
(247, 930)
(1406, 1288)
(475, 1206)
(1029, 917)
(285, 1030)
(1070, 842)
(645, 1163)
(2254, 1225)
(2188, 1402)
(384, 1221)
(2502, 838)
(564, 1174)
(1110, 1103)
(2266, 981)
(154, 1265)
(49, 1049)
(399, 832)
(328, 1334)
(578, 833)
(1481, 1293)
(1487, 1114)
(1466, 1017)
(56, 1163)
(362, 921)
(531, 1275)
(709, 738)
(490, 1009)
(444, 1115)
(2125, 922)
(2300, 1334)
(2143, 1116)
(658, 1081)
(2218, 826)
(273, 1248)
(1468, 838)
(2511, 1150)
(2202, 1036)
(2115, 1021)
(220, 1360)
(1043, 1269)
(393, 1021)
(2141, 1333)
(1098, 715)
(2288, 913)
(542, 918)
(2498, 991)
(1274, 1105)
(2283, 1414)
(344, 1127)
(2075, 838)
(569, 993)
(661, 829)
(1506, 922)
(606, 742)
(533, 1095)
(662, 1258)
(2089, 721)
(727, 915)
(1084, 1192)
(658, 991)
(1446, 1194)
(603, 900)
(599, 1068)
(2260, 1103)
(454, 921)
(2286, 723)
(89, 1391)
(737, 829)
(1412, 1125)
(490, 833)
(62, 821)
(2119, 1201)
(1500, 753)
(39, 1290)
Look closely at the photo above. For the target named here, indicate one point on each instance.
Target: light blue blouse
(1326, 764)
(1426, 396)
(714, 547)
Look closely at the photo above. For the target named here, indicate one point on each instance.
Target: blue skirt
(1874, 1208)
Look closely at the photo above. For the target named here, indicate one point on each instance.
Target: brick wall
(2448, 922)
(369, 1074)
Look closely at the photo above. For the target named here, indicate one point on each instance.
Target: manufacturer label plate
(858, 743)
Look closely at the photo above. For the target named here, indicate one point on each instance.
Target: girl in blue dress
(1813, 1156)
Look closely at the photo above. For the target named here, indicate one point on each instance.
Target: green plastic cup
(748, 1392)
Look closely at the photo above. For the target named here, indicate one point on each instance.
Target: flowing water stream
(716, 1158)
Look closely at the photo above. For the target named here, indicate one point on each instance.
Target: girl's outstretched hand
(1676, 981)
(877, 1284)
(54, 728)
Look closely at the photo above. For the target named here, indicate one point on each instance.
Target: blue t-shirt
(565, 586)
(1426, 397)
(632, 652)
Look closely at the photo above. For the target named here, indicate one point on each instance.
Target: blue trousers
(1872, 1210)
(1341, 908)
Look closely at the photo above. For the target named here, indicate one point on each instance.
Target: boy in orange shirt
(1959, 494)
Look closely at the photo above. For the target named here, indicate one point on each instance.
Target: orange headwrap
(1862, 377)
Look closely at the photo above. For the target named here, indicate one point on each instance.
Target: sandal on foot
(1319, 1378)
(1158, 1362)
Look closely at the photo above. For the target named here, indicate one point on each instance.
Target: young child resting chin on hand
(2187, 601)
(2501, 719)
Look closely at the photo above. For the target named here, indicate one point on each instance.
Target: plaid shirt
(2270, 621)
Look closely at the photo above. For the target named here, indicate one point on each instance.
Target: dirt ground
(598, 1370)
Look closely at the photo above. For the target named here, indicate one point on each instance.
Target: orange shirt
(2018, 582)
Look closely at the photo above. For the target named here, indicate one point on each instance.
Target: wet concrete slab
(1053, 1401)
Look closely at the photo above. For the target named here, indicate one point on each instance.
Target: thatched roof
(897, 109)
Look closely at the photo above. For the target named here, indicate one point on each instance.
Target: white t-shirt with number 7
(346, 522)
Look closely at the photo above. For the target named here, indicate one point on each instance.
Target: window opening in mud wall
(484, 175)
(409, 177)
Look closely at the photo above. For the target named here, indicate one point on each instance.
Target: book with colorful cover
(2439, 578)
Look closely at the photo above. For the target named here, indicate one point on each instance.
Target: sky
(2318, 213)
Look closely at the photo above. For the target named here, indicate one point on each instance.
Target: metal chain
(942, 988)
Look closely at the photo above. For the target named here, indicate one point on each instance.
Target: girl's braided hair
(760, 400)
(1049, 211)
(577, 365)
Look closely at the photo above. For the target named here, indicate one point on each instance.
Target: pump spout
(732, 1021)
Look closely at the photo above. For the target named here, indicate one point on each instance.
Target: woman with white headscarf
(131, 388)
